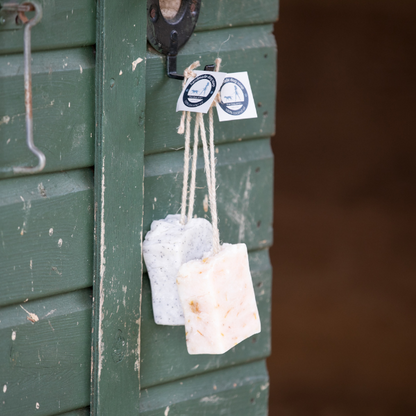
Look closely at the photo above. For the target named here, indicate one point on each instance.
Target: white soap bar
(218, 301)
(166, 247)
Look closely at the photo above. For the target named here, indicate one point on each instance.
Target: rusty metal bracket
(21, 9)
(9, 16)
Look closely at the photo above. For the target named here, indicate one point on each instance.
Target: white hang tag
(236, 98)
(200, 92)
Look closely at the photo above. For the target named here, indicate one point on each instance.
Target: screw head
(174, 36)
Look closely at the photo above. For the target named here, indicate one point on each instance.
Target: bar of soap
(166, 247)
(218, 301)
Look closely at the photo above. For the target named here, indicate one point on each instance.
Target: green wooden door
(76, 328)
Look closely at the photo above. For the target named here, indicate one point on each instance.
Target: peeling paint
(135, 63)
(50, 312)
(37, 405)
(5, 120)
(205, 203)
(13, 335)
(50, 232)
(101, 345)
(60, 242)
(32, 317)
(264, 386)
(166, 411)
(5, 388)
(211, 399)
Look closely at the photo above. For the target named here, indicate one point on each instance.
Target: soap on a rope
(166, 247)
(218, 300)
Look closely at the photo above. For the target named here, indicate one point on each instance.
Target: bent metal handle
(29, 23)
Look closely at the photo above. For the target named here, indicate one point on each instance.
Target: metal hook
(29, 23)
(169, 35)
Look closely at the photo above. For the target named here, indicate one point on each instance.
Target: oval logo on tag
(199, 90)
(234, 96)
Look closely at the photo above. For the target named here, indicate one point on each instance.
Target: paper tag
(236, 98)
(199, 92)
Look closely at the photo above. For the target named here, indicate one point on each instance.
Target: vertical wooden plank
(120, 103)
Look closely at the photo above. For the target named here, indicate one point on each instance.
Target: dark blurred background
(344, 256)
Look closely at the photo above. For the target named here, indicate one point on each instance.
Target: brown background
(344, 257)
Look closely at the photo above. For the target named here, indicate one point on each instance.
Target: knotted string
(209, 159)
(186, 128)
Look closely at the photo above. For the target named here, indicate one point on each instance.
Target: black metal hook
(167, 36)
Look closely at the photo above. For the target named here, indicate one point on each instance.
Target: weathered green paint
(163, 348)
(251, 49)
(70, 24)
(80, 412)
(45, 363)
(240, 390)
(64, 24)
(63, 110)
(244, 177)
(216, 14)
(46, 230)
(120, 104)
(48, 361)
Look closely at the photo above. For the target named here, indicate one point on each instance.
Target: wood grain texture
(244, 177)
(163, 349)
(240, 390)
(64, 24)
(120, 104)
(251, 49)
(63, 110)
(80, 412)
(46, 233)
(216, 14)
(45, 363)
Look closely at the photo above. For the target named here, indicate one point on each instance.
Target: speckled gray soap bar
(167, 246)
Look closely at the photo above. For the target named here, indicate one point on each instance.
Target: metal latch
(19, 10)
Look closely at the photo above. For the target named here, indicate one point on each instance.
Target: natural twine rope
(209, 159)
(188, 73)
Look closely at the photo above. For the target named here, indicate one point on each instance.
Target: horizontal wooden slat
(80, 412)
(250, 49)
(227, 13)
(163, 349)
(64, 24)
(244, 177)
(46, 235)
(63, 110)
(45, 364)
(241, 390)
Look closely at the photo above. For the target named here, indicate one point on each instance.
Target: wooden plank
(45, 364)
(240, 390)
(64, 24)
(80, 412)
(244, 177)
(63, 110)
(120, 105)
(216, 14)
(251, 49)
(163, 350)
(46, 230)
